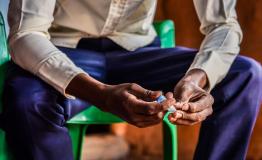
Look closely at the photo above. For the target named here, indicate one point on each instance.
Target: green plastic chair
(77, 125)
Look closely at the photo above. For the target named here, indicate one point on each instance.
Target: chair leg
(170, 140)
(77, 133)
(5, 153)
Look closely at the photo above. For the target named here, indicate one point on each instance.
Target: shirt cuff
(58, 71)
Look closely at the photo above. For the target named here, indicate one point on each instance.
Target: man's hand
(135, 104)
(194, 104)
(129, 101)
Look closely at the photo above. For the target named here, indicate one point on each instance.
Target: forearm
(88, 89)
(216, 54)
(222, 39)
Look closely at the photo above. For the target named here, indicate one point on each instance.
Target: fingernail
(173, 119)
(178, 115)
(178, 105)
(160, 115)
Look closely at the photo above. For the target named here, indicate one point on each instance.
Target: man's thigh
(23, 87)
(152, 67)
(160, 69)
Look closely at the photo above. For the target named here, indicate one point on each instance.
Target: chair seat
(93, 115)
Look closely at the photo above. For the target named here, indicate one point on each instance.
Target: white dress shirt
(36, 26)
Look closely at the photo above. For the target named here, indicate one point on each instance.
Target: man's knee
(252, 66)
(251, 72)
(27, 99)
(33, 117)
(242, 85)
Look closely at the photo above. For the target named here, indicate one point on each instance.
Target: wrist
(198, 77)
(88, 89)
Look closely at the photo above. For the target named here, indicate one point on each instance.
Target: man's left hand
(194, 102)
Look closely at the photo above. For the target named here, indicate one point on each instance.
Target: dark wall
(187, 24)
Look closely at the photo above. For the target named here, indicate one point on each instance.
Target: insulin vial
(171, 109)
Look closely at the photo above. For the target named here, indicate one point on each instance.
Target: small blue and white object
(171, 109)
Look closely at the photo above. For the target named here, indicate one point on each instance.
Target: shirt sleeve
(30, 45)
(222, 38)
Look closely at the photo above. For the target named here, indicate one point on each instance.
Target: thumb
(143, 93)
(151, 95)
(183, 96)
(155, 94)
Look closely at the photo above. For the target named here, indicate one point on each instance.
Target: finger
(199, 116)
(155, 94)
(183, 99)
(143, 93)
(160, 115)
(142, 107)
(174, 116)
(167, 103)
(147, 108)
(184, 93)
(184, 106)
(169, 95)
(201, 103)
(183, 122)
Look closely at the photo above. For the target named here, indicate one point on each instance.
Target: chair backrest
(4, 56)
(166, 32)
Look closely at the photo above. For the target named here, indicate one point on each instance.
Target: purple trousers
(35, 114)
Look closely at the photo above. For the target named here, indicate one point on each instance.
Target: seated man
(67, 55)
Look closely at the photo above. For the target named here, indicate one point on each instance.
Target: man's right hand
(129, 101)
(135, 104)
